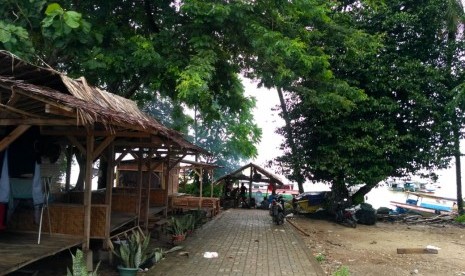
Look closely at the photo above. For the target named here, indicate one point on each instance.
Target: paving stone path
(247, 243)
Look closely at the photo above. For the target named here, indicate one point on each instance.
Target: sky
(267, 120)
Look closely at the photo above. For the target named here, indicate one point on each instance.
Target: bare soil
(372, 250)
(365, 250)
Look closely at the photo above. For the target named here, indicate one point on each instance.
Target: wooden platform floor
(119, 219)
(20, 249)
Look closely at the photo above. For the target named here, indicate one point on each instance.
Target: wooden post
(201, 186)
(250, 184)
(109, 192)
(88, 198)
(139, 185)
(166, 171)
(210, 173)
(148, 167)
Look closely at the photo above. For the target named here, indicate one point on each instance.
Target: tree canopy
(368, 88)
(400, 126)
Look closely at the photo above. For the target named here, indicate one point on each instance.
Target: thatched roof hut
(35, 95)
(46, 104)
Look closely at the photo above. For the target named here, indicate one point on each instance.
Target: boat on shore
(403, 186)
(425, 204)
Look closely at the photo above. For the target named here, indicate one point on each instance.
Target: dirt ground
(372, 250)
(365, 250)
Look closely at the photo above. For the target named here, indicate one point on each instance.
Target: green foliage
(179, 225)
(460, 219)
(320, 257)
(133, 251)
(79, 267)
(385, 111)
(365, 83)
(342, 271)
(193, 189)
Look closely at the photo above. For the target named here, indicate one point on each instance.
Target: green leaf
(5, 35)
(72, 19)
(53, 8)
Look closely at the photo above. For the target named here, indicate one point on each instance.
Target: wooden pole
(201, 186)
(147, 188)
(109, 191)
(88, 189)
(250, 184)
(166, 171)
(139, 185)
(210, 176)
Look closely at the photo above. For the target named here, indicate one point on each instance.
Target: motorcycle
(277, 210)
(345, 215)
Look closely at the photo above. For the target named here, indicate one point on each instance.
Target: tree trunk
(359, 196)
(458, 170)
(339, 192)
(296, 160)
(81, 160)
(102, 179)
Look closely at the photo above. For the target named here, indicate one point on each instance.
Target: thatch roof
(238, 175)
(43, 96)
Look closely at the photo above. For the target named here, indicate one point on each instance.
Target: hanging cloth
(5, 180)
(37, 191)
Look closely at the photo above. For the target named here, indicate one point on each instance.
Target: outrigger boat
(311, 202)
(426, 204)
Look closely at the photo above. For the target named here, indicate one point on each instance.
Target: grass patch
(320, 257)
(460, 219)
(342, 271)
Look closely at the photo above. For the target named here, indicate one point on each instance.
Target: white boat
(426, 188)
(426, 204)
(402, 186)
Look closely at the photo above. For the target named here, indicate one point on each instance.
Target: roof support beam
(10, 138)
(76, 143)
(40, 122)
(102, 146)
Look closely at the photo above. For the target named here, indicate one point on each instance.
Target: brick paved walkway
(247, 243)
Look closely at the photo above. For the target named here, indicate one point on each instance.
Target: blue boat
(426, 204)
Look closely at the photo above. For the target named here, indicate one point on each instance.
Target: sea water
(381, 196)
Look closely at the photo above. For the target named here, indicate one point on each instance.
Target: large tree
(190, 51)
(401, 126)
(143, 50)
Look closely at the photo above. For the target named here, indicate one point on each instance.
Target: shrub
(460, 219)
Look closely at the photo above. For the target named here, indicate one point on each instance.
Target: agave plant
(79, 267)
(176, 226)
(134, 251)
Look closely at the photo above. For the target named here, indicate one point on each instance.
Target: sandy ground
(372, 250)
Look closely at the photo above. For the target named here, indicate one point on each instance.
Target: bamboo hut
(250, 173)
(47, 107)
(176, 202)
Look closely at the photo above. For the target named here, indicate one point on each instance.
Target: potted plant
(188, 221)
(79, 267)
(132, 252)
(177, 229)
